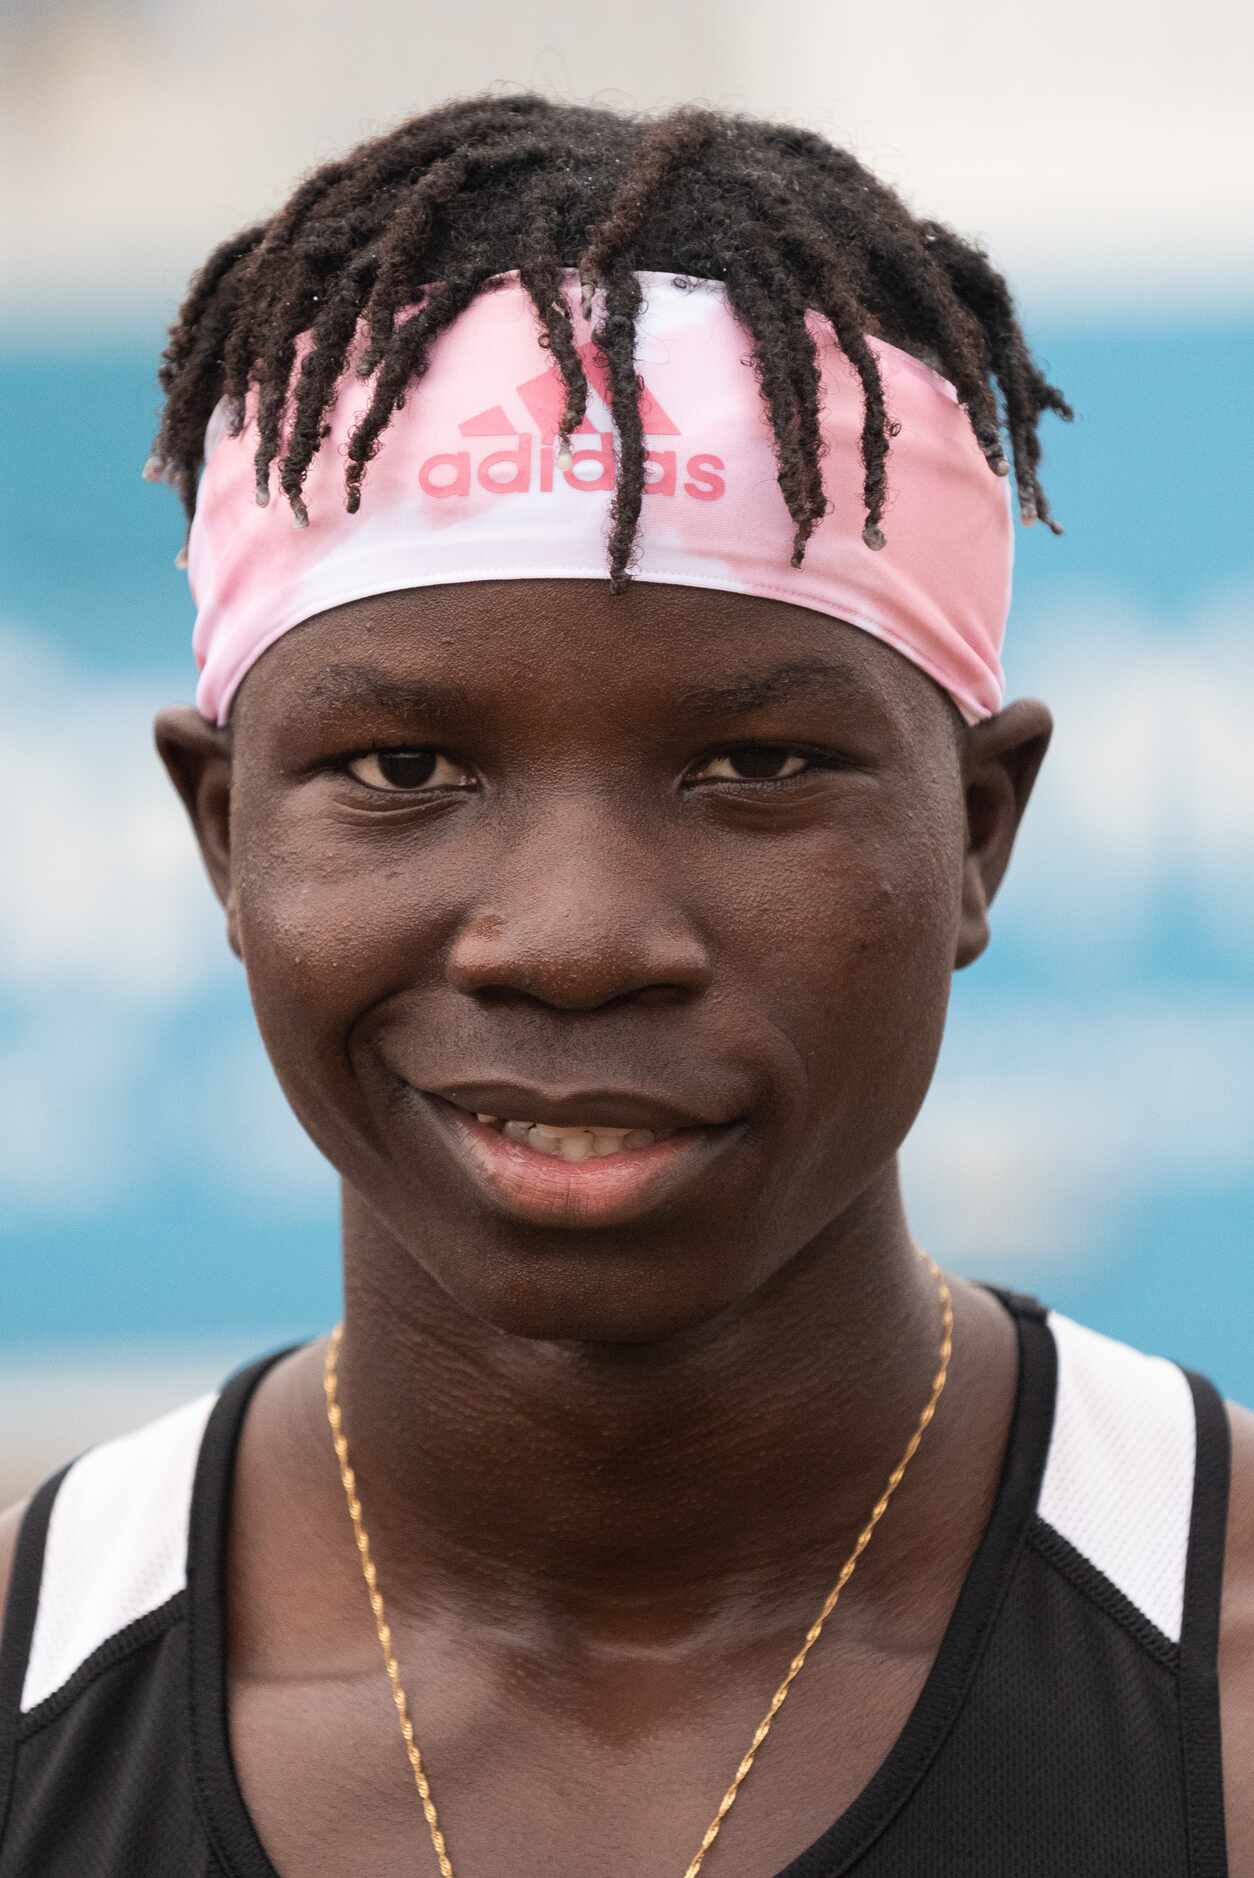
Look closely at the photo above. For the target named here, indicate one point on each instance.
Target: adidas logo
(514, 468)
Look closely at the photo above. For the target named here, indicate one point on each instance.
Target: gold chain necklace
(371, 1576)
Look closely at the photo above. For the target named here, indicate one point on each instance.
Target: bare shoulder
(10, 1525)
(1236, 1647)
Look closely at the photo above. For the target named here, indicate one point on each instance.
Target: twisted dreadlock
(424, 216)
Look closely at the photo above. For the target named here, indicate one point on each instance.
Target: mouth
(577, 1176)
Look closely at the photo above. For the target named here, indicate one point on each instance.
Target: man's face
(581, 878)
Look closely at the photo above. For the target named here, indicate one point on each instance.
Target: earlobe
(197, 757)
(1001, 760)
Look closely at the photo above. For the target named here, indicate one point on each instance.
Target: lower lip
(606, 1191)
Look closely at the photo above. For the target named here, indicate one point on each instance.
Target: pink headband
(466, 487)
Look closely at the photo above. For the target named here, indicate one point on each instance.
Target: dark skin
(609, 1473)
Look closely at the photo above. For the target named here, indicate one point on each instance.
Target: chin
(602, 1299)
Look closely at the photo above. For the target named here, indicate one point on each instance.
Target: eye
(395, 771)
(757, 762)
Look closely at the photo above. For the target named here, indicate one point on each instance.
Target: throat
(636, 1678)
(635, 1491)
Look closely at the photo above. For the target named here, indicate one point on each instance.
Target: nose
(579, 912)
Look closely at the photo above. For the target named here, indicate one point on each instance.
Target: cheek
(330, 929)
(875, 907)
(327, 930)
(862, 974)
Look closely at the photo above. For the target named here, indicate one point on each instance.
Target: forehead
(548, 648)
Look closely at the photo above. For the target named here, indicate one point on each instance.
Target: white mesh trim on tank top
(1118, 1478)
(117, 1543)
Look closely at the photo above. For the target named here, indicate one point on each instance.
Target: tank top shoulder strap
(1118, 1481)
(100, 1567)
(103, 1562)
(1134, 1502)
(103, 1548)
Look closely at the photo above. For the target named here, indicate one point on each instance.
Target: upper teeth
(576, 1143)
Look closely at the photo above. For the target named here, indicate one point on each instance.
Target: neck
(596, 1482)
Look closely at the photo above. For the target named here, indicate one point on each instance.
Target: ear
(1001, 758)
(197, 756)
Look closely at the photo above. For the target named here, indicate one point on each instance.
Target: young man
(600, 932)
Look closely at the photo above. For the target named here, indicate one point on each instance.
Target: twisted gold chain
(763, 1728)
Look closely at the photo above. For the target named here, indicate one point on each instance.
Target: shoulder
(1236, 1644)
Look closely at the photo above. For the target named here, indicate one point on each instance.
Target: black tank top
(1068, 1728)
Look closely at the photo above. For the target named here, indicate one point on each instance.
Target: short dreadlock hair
(426, 215)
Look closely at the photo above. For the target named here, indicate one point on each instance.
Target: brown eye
(757, 763)
(399, 770)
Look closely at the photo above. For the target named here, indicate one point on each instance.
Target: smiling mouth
(553, 1176)
(577, 1142)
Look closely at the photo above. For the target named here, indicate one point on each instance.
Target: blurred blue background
(1089, 1134)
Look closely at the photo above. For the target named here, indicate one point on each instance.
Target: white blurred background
(1089, 1136)
(1103, 151)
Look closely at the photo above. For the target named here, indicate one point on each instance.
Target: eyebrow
(365, 687)
(754, 691)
